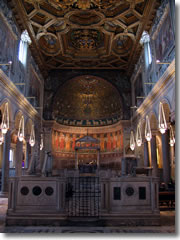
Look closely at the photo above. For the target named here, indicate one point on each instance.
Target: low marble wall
(36, 195)
(124, 200)
(130, 195)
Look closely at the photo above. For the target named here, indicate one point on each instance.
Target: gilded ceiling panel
(86, 33)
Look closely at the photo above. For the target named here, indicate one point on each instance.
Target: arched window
(145, 40)
(23, 46)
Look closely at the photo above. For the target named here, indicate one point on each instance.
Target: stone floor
(167, 226)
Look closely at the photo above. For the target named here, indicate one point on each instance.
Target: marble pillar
(166, 158)
(98, 154)
(5, 162)
(28, 154)
(154, 156)
(146, 154)
(36, 149)
(76, 159)
(18, 159)
(172, 154)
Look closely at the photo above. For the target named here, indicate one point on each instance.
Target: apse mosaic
(87, 101)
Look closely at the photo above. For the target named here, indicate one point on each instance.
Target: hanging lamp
(21, 129)
(1, 137)
(138, 136)
(41, 144)
(148, 134)
(172, 138)
(162, 119)
(132, 142)
(32, 137)
(5, 120)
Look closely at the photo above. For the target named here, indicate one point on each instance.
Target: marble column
(154, 156)
(36, 150)
(146, 154)
(28, 153)
(166, 157)
(19, 157)
(76, 159)
(172, 154)
(5, 163)
(98, 154)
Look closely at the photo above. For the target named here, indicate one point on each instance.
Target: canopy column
(76, 159)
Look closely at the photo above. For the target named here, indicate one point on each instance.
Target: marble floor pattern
(167, 226)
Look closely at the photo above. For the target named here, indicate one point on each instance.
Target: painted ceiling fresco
(85, 34)
(87, 98)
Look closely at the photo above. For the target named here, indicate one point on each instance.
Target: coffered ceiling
(85, 34)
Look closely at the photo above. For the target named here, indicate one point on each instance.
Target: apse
(87, 101)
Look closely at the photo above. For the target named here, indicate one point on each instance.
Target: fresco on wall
(65, 142)
(165, 39)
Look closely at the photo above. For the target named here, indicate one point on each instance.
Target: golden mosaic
(87, 98)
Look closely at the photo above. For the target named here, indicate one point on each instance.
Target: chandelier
(41, 144)
(32, 137)
(138, 136)
(5, 120)
(1, 137)
(172, 138)
(132, 142)
(148, 134)
(162, 119)
(21, 129)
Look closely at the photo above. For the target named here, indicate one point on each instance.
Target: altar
(87, 145)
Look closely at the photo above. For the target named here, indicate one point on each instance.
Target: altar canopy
(87, 144)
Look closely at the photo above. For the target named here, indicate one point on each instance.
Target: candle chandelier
(32, 137)
(1, 137)
(138, 136)
(132, 142)
(148, 134)
(162, 119)
(21, 129)
(162, 125)
(41, 144)
(172, 138)
(4, 126)
(5, 120)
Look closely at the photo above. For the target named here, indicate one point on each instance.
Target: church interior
(87, 111)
